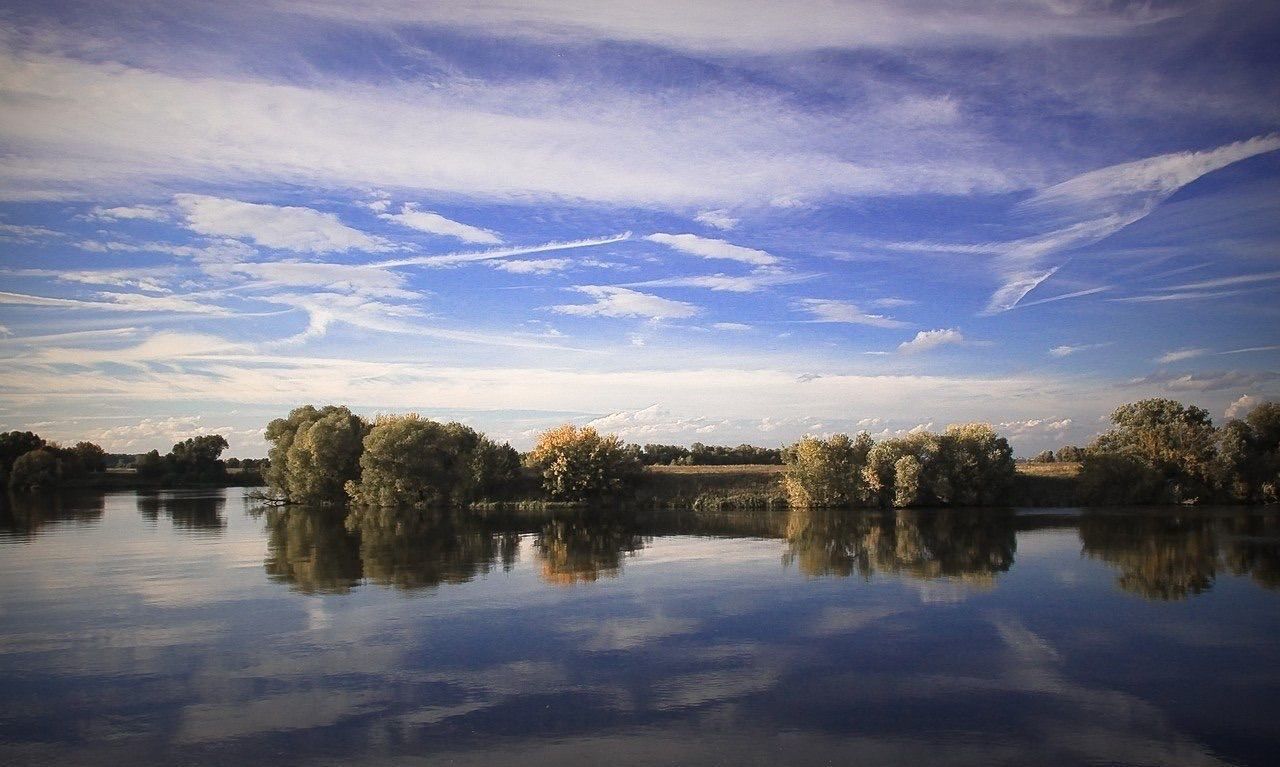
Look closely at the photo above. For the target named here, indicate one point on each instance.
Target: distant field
(731, 469)
(1067, 469)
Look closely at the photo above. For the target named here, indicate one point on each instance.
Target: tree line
(28, 462)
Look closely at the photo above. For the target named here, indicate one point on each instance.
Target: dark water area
(194, 628)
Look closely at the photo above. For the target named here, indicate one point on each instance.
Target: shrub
(825, 473)
(580, 464)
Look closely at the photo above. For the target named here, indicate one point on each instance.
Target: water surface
(192, 628)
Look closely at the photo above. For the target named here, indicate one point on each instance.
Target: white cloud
(891, 303)
(1094, 205)
(533, 265)
(125, 129)
(931, 339)
(1223, 282)
(26, 232)
(706, 247)
(746, 283)
(274, 226)
(755, 26)
(1067, 350)
(119, 302)
(434, 223)
(720, 219)
(827, 310)
(621, 302)
(130, 213)
(1179, 355)
(734, 326)
(456, 259)
(1241, 407)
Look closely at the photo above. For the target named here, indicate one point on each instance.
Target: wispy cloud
(829, 310)
(720, 219)
(282, 227)
(130, 213)
(454, 259)
(1180, 355)
(744, 283)
(1092, 206)
(706, 247)
(1225, 282)
(434, 223)
(1066, 350)
(621, 302)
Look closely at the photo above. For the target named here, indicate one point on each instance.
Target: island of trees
(1157, 451)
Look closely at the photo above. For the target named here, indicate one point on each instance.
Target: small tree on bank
(39, 469)
(581, 464)
(825, 473)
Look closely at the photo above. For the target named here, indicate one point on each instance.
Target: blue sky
(685, 221)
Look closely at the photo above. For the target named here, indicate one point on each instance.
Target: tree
(196, 459)
(315, 453)
(1044, 456)
(89, 456)
(580, 464)
(39, 469)
(978, 463)
(823, 473)
(13, 444)
(1175, 442)
(413, 462)
(1070, 454)
(1248, 455)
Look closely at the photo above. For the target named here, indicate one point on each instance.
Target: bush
(413, 462)
(580, 464)
(39, 469)
(13, 445)
(825, 473)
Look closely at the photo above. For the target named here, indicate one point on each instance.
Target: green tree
(978, 464)
(413, 462)
(314, 453)
(822, 473)
(1177, 443)
(196, 459)
(39, 469)
(580, 464)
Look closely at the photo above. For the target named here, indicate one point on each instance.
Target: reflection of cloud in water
(614, 634)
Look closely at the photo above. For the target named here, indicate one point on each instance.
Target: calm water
(194, 629)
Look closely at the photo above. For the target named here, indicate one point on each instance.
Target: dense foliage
(1161, 451)
(315, 453)
(414, 462)
(968, 465)
(826, 473)
(699, 454)
(579, 464)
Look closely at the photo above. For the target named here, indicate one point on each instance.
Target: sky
(694, 220)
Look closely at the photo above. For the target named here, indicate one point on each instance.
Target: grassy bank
(760, 487)
(711, 488)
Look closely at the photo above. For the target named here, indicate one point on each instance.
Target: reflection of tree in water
(583, 549)
(1173, 556)
(195, 512)
(413, 549)
(1252, 547)
(23, 515)
(1159, 556)
(969, 545)
(311, 549)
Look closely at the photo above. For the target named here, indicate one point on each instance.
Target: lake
(195, 628)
